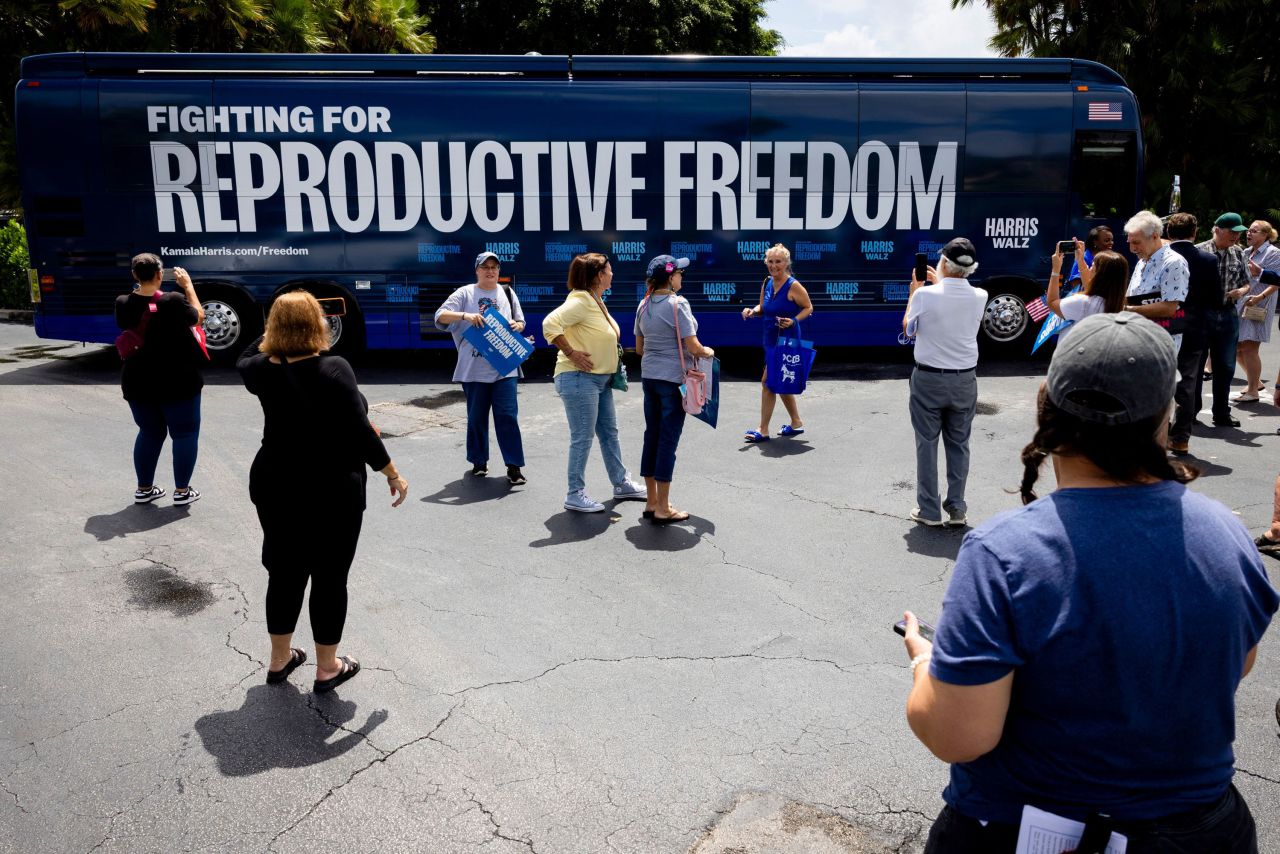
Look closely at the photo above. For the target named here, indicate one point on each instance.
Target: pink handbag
(695, 382)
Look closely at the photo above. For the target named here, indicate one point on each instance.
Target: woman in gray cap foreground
(1090, 643)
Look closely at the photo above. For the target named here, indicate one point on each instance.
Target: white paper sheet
(1045, 833)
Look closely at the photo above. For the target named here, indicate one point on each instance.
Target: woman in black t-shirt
(316, 442)
(161, 379)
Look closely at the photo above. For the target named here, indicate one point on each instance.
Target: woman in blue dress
(783, 304)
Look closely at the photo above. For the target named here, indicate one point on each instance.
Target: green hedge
(14, 290)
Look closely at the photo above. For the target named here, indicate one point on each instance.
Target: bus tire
(231, 321)
(1007, 330)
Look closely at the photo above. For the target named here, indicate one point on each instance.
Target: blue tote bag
(787, 365)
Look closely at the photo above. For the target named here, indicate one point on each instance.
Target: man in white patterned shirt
(1161, 277)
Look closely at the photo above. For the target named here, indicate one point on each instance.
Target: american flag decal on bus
(1103, 111)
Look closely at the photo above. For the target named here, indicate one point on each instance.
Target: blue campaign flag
(505, 349)
(1053, 325)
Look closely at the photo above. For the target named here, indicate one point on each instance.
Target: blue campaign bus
(379, 179)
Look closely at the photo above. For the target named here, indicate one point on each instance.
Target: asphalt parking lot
(535, 680)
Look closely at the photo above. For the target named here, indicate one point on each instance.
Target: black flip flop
(648, 514)
(350, 667)
(682, 516)
(297, 657)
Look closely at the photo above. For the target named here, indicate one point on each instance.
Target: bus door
(1105, 181)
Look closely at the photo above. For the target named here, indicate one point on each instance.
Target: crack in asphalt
(629, 658)
(1257, 776)
(17, 802)
(497, 828)
(244, 620)
(381, 758)
(724, 559)
(801, 610)
(76, 726)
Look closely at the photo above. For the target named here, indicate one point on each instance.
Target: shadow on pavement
(471, 490)
(280, 727)
(776, 448)
(673, 537)
(133, 519)
(934, 542)
(573, 527)
(1206, 468)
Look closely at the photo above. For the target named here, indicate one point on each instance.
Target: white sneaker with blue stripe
(581, 502)
(629, 490)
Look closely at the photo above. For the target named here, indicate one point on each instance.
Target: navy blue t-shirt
(1126, 614)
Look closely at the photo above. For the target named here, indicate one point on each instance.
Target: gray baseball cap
(1113, 369)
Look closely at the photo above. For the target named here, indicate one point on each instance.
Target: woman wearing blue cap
(486, 391)
(665, 332)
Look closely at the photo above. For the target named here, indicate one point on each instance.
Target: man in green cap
(1223, 329)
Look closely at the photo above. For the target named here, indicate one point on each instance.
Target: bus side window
(1102, 169)
(1018, 141)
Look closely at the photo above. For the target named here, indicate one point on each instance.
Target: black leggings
(294, 549)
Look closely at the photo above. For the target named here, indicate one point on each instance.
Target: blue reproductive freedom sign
(499, 343)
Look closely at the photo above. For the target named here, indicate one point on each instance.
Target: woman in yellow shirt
(587, 338)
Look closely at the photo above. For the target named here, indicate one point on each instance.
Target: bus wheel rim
(221, 325)
(1005, 318)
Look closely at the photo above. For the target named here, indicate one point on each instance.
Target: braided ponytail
(1126, 452)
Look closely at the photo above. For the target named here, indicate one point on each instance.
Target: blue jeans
(179, 420)
(500, 398)
(663, 424)
(588, 404)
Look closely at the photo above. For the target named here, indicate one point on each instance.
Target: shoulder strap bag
(130, 341)
(618, 381)
(694, 390)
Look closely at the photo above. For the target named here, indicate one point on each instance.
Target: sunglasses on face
(488, 266)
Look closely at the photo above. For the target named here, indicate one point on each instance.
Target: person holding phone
(1103, 292)
(1099, 239)
(316, 443)
(485, 391)
(784, 303)
(1091, 643)
(944, 317)
(161, 379)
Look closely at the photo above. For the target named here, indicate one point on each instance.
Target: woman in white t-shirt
(1105, 291)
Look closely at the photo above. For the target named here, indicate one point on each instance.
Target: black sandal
(350, 667)
(297, 657)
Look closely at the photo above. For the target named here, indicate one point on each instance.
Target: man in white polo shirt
(944, 318)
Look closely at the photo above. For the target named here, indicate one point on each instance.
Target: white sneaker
(916, 517)
(191, 496)
(629, 490)
(581, 502)
(146, 496)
